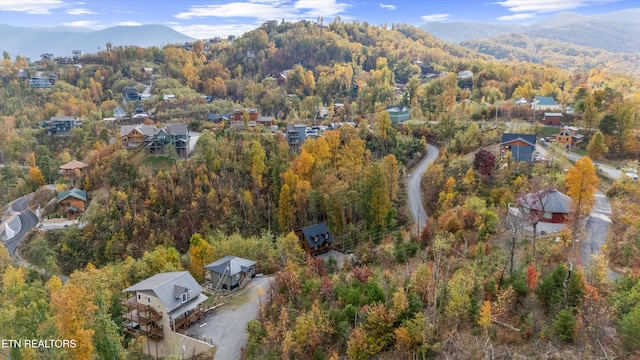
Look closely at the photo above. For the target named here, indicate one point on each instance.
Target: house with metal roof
(545, 103)
(398, 114)
(521, 146)
(72, 170)
(231, 272)
(72, 203)
(550, 206)
(162, 308)
(315, 239)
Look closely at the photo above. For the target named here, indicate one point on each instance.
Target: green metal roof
(75, 192)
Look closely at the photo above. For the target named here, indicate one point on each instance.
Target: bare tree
(514, 225)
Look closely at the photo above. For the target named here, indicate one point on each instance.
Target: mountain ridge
(614, 32)
(33, 41)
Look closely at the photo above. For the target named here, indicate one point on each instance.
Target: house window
(548, 215)
(139, 297)
(148, 299)
(183, 298)
(220, 276)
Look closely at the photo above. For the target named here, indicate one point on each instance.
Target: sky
(204, 19)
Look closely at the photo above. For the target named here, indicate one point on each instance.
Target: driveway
(597, 227)
(415, 194)
(227, 327)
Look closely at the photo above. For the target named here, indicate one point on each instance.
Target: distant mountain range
(60, 41)
(614, 32)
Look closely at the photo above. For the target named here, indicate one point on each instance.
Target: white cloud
(521, 16)
(542, 6)
(82, 23)
(209, 31)
(387, 6)
(172, 23)
(436, 17)
(31, 6)
(128, 23)
(267, 10)
(80, 11)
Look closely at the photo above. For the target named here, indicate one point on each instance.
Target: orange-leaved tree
(581, 182)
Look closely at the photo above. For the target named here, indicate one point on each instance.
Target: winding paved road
(28, 219)
(414, 192)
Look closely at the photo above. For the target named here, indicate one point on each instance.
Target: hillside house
(161, 308)
(135, 135)
(569, 137)
(174, 134)
(398, 114)
(73, 170)
(231, 272)
(521, 146)
(548, 206)
(60, 125)
(315, 239)
(552, 119)
(40, 83)
(545, 103)
(72, 203)
(130, 94)
(76, 54)
(46, 57)
(465, 79)
(296, 135)
(252, 113)
(217, 118)
(265, 120)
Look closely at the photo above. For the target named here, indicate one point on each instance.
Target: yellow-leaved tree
(581, 182)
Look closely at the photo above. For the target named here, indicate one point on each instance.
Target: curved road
(413, 187)
(28, 219)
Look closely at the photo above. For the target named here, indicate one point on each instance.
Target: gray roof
(552, 201)
(231, 265)
(165, 286)
(528, 138)
(317, 234)
(177, 129)
(147, 130)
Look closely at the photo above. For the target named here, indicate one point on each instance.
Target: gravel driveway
(227, 326)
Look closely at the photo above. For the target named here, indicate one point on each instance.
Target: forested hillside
(472, 283)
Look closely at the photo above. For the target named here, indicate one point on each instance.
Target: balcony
(139, 313)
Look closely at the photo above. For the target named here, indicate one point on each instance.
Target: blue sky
(208, 18)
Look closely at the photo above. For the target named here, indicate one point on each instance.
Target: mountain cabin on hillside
(231, 272)
(569, 137)
(162, 308)
(521, 146)
(545, 103)
(72, 203)
(552, 119)
(315, 239)
(549, 206)
(398, 114)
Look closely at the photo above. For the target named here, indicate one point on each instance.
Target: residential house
(570, 110)
(296, 135)
(521, 146)
(282, 77)
(73, 170)
(545, 103)
(131, 94)
(552, 119)
(569, 137)
(76, 54)
(162, 308)
(265, 120)
(168, 97)
(174, 134)
(216, 118)
(548, 206)
(46, 57)
(136, 135)
(231, 272)
(398, 114)
(147, 70)
(40, 83)
(252, 112)
(72, 203)
(315, 239)
(522, 101)
(60, 125)
(465, 79)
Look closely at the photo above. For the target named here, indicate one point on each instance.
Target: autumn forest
(473, 282)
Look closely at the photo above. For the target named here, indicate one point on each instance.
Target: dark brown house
(315, 239)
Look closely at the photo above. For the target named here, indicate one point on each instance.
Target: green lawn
(157, 161)
(548, 131)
